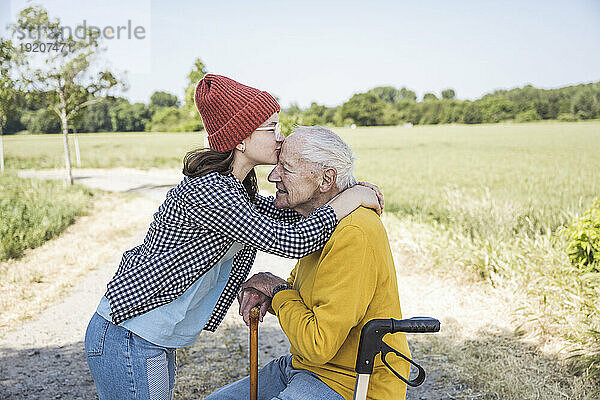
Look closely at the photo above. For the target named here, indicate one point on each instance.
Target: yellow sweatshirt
(337, 291)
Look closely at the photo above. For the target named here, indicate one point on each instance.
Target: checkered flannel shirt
(194, 228)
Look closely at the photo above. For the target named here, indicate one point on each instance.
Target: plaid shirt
(194, 228)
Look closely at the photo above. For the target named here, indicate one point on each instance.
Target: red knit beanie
(231, 111)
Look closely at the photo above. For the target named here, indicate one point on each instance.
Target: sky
(326, 51)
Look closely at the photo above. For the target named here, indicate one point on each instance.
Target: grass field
(104, 150)
(491, 201)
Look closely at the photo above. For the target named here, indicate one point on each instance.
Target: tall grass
(34, 211)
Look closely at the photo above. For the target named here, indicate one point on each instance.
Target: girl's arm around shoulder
(264, 205)
(227, 211)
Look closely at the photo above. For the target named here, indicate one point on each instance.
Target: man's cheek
(286, 200)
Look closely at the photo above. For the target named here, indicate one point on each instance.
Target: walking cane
(254, 315)
(371, 343)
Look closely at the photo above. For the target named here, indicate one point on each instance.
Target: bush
(365, 109)
(584, 240)
(496, 109)
(527, 116)
(41, 121)
(165, 119)
(33, 211)
(174, 119)
(566, 117)
(94, 118)
(127, 117)
(472, 114)
(288, 122)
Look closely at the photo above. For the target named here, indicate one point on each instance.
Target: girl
(201, 245)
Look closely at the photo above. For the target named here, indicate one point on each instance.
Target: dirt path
(43, 358)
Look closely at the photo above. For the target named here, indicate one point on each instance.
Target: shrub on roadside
(584, 240)
(34, 211)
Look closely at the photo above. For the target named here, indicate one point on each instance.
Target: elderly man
(332, 293)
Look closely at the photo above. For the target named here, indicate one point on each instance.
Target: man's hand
(264, 282)
(249, 298)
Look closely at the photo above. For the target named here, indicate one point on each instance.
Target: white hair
(324, 147)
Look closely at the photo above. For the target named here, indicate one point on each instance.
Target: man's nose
(274, 175)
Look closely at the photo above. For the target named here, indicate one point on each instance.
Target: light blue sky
(326, 51)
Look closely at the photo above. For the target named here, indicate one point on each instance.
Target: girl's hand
(377, 192)
(354, 197)
(367, 197)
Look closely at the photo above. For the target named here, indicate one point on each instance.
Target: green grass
(34, 211)
(104, 150)
(551, 169)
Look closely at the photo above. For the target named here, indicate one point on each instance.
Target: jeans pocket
(95, 335)
(158, 377)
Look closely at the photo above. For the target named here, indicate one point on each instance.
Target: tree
(43, 120)
(292, 110)
(496, 109)
(448, 94)
(472, 114)
(429, 97)
(431, 111)
(126, 117)
(318, 115)
(586, 104)
(67, 75)
(165, 119)
(96, 117)
(406, 94)
(192, 116)
(452, 111)
(387, 94)
(364, 109)
(527, 116)
(8, 94)
(163, 99)
(407, 111)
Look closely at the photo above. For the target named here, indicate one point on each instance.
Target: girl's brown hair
(202, 161)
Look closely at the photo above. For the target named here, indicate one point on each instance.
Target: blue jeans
(125, 366)
(278, 380)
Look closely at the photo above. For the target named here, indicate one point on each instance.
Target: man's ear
(329, 178)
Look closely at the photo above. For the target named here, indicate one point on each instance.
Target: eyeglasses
(275, 129)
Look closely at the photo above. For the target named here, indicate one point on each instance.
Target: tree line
(387, 105)
(379, 106)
